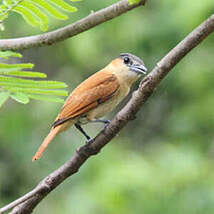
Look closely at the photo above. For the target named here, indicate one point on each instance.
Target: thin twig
(71, 30)
(146, 88)
(20, 200)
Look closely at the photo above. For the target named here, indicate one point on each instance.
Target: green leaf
(20, 97)
(27, 15)
(35, 12)
(3, 8)
(43, 19)
(133, 1)
(50, 9)
(3, 12)
(45, 98)
(37, 91)
(21, 89)
(8, 3)
(65, 6)
(15, 67)
(24, 74)
(17, 82)
(7, 54)
(3, 97)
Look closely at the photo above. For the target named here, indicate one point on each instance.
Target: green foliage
(133, 1)
(20, 97)
(22, 89)
(7, 54)
(35, 12)
(161, 179)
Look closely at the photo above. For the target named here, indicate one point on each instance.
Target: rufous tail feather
(47, 140)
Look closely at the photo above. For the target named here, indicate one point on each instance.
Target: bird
(96, 96)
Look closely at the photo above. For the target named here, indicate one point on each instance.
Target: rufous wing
(88, 95)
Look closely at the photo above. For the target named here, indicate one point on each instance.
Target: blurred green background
(161, 163)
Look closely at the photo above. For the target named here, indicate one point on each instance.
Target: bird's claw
(89, 141)
(105, 124)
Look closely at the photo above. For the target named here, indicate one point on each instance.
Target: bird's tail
(47, 140)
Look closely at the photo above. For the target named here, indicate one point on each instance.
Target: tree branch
(71, 30)
(146, 88)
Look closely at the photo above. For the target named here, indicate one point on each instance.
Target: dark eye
(126, 60)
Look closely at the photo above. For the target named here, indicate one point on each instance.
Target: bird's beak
(140, 69)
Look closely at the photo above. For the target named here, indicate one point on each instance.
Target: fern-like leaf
(12, 83)
(35, 12)
(20, 97)
(133, 1)
(7, 54)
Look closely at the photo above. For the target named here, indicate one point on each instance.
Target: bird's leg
(106, 122)
(86, 149)
(82, 131)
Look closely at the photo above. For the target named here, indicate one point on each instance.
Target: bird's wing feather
(89, 94)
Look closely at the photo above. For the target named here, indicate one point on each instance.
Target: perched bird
(96, 96)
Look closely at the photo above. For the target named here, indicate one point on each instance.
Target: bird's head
(128, 67)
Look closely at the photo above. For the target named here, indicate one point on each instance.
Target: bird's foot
(89, 141)
(106, 122)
